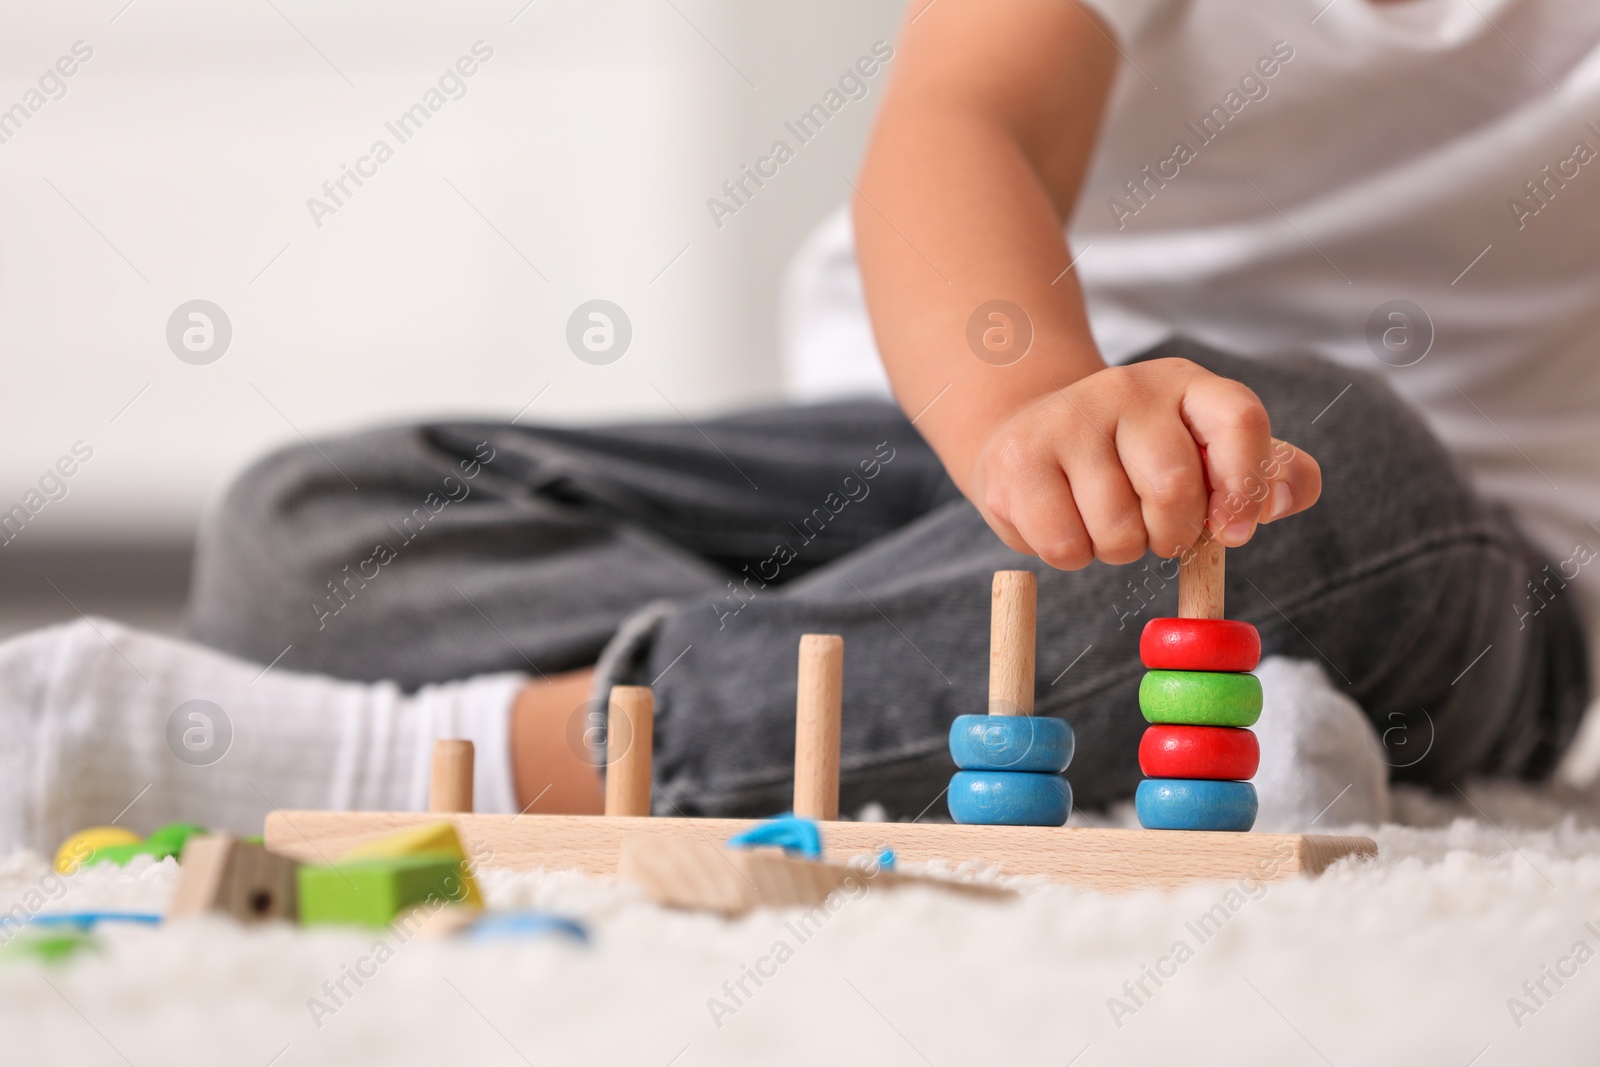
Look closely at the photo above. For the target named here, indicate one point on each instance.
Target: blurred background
(175, 164)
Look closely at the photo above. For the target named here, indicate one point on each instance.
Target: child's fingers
(1163, 463)
(1008, 534)
(1047, 518)
(1106, 501)
(996, 512)
(1229, 422)
(1296, 482)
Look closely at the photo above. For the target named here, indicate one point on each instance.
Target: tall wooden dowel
(1013, 616)
(818, 708)
(450, 786)
(630, 745)
(1200, 576)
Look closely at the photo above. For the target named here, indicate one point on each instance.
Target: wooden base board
(1108, 860)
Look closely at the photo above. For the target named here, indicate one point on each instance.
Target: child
(1131, 265)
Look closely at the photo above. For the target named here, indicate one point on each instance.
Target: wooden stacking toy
(1010, 762)
(629, 840)
(1200, 699)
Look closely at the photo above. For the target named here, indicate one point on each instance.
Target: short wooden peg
(1200, 575)
(818, 708)
(450, 789)
(1013, 615)
(630, 741)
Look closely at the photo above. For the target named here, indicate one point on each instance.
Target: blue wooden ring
(1009, 798)
(1195, 804)
(1011, 743)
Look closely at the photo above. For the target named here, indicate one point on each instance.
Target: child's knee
(271, 537)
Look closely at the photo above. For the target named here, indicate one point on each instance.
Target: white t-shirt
(1299, 165)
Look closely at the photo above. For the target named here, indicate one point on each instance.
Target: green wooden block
(121, 855)
(373, 892)
(163, 842)
(175, 835)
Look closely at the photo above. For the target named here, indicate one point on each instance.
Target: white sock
(85, 711)
(1322, 764)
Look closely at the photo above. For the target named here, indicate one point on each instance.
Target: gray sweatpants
(694, 556)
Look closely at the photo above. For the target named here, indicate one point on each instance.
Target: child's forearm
(976, 163)
(962, 202)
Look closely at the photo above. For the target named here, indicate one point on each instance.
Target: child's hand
(1113, 465)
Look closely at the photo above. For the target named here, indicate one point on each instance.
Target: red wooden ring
(1219, 753)
(1199, 645)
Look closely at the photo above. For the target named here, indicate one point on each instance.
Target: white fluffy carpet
(1412, 959)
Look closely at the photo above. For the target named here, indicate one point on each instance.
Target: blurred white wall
(177, 164)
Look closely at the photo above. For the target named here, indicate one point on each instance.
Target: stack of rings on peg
(1200, 700)
(1010, 762)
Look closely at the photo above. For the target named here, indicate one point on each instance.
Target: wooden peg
(1013, 616)
(630, 741)
(818, 708)
(450, 789)
(1200, 574)
(231, 877)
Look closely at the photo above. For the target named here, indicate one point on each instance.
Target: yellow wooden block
(438, 838)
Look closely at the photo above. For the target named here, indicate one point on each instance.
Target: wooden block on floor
(703, 876)
(374, 892)
(438, 837)
(1110, 860)
(222, 874)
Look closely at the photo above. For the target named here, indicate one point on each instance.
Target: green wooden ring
(1200, 698)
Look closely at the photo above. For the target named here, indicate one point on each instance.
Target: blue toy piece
(1195, 804)
(500, 926)
(1009, 798)
(795, 835)
(1011, 743)
(886, 860)
(88, 920)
